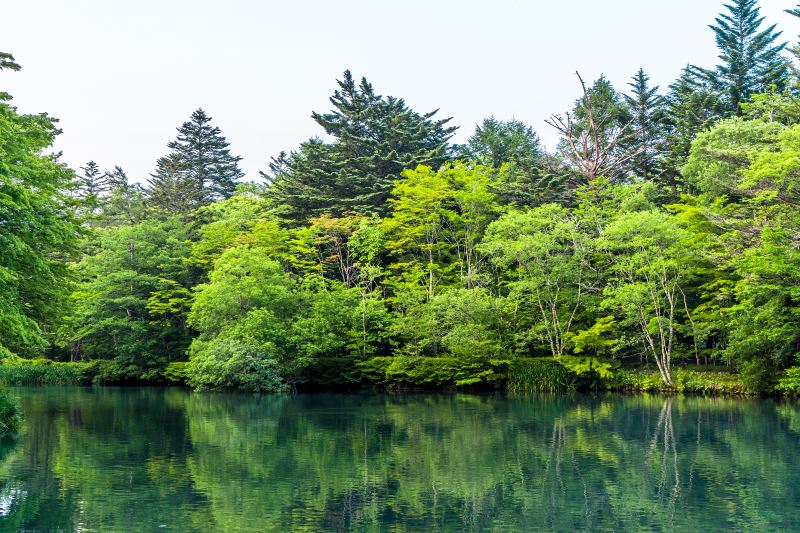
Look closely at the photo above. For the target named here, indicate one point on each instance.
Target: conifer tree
(116, 178)
(690, 107)
(92, 183)
(206, 158)
(375, 139)
(645, 106)
(514, 151)
(751, 61)
(171, 189)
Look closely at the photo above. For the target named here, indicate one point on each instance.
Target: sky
(121, 76)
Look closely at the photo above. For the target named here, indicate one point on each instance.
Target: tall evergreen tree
(497, 142)
(690, 107)
(751, 61)
(514, 148)
(645, 106)
(92, 183)
(116, 178)
(375, 139)
(171, 189)
(795, 50)
(206, 157)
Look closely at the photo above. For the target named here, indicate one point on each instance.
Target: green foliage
(427, 372)
(178, 372)
(132, 302)
(227, 364)
(750, 58)
(789, 382)
(539, 375)
(10, 414)
(375, 139)
(47, 372)
(39, 230)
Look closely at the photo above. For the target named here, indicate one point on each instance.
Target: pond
(165, 459)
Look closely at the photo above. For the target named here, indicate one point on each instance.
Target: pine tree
(645, 106)
(172, 189)
(93, 183)
(116, 178)
(690, 107)
(751, 61)
(375, 139)
(514, 148)
(497, 142)
(205, 155)
(795, 50)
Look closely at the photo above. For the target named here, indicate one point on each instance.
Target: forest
(657, 246)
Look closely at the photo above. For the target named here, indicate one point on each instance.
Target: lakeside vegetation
(657, 248)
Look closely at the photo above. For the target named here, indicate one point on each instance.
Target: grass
(539, 375)
(45, 372)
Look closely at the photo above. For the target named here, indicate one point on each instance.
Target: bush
(539, 375)
(789, 383)
(177, 372)
(229, 364)
(424, 372)
(10, 414)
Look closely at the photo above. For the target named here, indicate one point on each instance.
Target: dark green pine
(375, 138)
(207, 159)
(750, 60)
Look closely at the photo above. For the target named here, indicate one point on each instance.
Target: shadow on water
(148, 459)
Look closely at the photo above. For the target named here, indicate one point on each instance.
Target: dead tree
(592, 145)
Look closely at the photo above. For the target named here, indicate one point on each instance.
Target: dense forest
(663, 232)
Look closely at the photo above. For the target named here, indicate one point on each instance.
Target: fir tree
(92, 183)
(171, 189)
(690, 107)
(514, 149)
(751, 61)
(375, 139)
(645, 107)
(795, 50)
(206, 158)
(116, 178)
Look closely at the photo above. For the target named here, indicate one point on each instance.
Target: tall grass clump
(539, 375)
(10, 414)
(44, 372)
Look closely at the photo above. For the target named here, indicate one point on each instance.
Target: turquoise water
(157, 459)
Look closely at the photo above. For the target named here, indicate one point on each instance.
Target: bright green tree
(39, 231)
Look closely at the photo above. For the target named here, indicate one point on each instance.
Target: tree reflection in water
(140, 459)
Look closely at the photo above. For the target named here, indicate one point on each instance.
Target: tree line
(662, 230)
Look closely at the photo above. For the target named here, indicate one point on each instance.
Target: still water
(153, 459)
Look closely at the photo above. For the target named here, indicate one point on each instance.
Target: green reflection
(169, 460)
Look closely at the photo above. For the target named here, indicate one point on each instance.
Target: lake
(165, 459)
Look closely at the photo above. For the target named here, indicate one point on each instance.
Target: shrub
(177, 372)
(418, 371)
(10, 413)
(789, 383)
(229, 364)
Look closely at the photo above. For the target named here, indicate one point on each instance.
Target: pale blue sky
(122, 75)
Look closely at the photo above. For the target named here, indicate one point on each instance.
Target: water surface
(158, 459)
